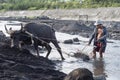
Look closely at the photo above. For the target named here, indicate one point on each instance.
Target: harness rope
(44, 42)
(54, 48)
(89, 54)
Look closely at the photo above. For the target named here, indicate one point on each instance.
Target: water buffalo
(38, 34)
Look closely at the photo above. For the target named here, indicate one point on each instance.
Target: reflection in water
(98, 67)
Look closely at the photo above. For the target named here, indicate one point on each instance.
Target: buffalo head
(19, 37)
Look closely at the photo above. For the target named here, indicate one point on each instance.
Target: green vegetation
(54, 4)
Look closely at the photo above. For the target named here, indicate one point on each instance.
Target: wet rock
(86, 58)
(76, 40)
(70, 41)
(80, 74)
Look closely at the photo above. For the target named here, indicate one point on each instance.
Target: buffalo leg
(12, 43)
(37, 52)
(48, 47)
(58, 49)
(36, 47)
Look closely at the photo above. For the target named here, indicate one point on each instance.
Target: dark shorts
(99, 46)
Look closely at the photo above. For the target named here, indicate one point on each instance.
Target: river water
(109, 66)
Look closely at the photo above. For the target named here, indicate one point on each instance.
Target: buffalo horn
(22, 28)
(9, 31)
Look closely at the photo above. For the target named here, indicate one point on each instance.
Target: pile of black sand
(22, 65)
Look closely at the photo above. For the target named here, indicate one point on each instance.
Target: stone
(80, 74)
(70, 41)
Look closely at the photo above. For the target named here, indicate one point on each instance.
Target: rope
(55, 48)
(35, 37)
(45, 42)
(90, 53)
(84, 48)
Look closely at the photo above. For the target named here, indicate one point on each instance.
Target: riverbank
(22, 65)
(90, 14)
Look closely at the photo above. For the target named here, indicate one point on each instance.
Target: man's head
(98, 23)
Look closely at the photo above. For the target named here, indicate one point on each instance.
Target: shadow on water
(99, 67)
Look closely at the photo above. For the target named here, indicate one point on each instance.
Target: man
(99, 35)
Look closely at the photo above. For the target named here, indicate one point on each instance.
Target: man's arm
(92, 36)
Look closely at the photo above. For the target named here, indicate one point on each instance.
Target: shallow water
(109, 66)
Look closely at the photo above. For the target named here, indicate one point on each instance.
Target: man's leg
(101, 53)
(94, 53)
(101, 50)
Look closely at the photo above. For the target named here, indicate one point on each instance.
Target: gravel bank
(106, 14)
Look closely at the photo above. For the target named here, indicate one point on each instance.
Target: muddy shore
(22, 65)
